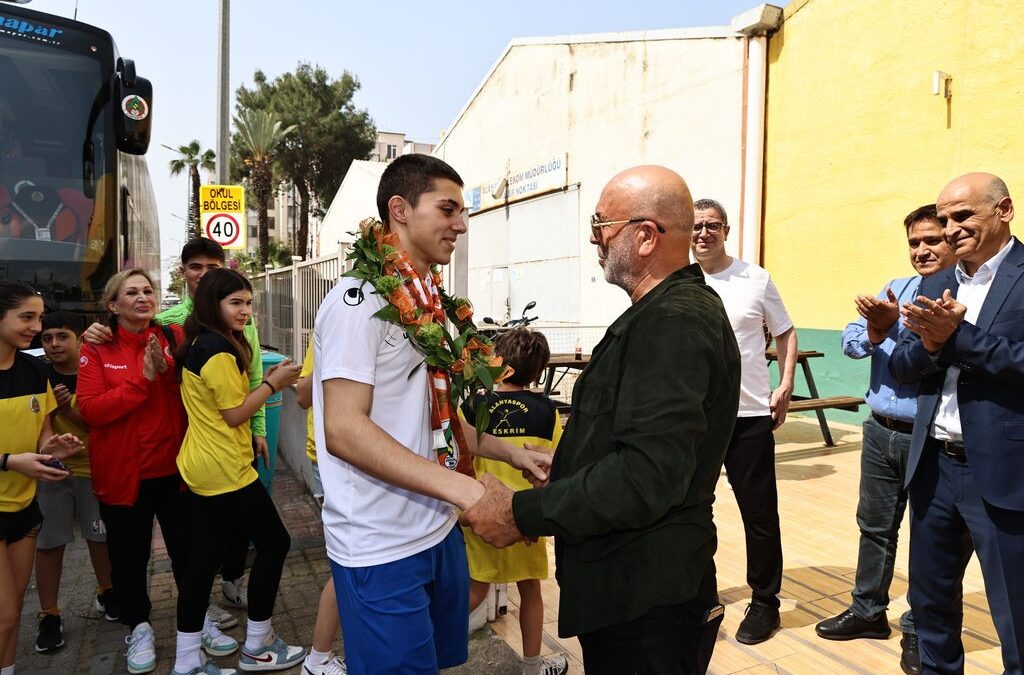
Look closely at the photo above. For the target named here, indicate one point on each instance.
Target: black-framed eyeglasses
(712, 227)
(596, 223)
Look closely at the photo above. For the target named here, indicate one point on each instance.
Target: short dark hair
(202, 247)
(409, 176)
(926, 212)
(62, 318)
(704, 204)
(526, 351)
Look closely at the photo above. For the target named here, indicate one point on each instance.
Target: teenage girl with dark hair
(31, 452)
(216, 462)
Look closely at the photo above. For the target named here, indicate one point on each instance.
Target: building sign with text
(523, 183)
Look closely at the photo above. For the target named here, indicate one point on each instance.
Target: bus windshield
(57, 178)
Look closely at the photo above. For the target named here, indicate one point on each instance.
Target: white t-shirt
(367, 521)
(751, 300)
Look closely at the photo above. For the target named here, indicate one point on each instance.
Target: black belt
(894, 424)
(953, 449)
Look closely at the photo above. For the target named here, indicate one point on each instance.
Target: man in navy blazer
(965, 472)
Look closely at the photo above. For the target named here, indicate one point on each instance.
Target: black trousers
(251, 513)
(130, 539)
(669, 640)
(235, 557)
(750, 466)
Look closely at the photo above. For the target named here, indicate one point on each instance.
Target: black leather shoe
(849, 626)
(910, 658)
(758, 625)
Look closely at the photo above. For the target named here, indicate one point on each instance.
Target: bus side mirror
(133, 122)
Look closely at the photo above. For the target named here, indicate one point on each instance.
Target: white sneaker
(216, 643)
(141, 649)
(208, 668)
(273, 655)
(220, 616)
(478, 618)
(235, 594)
(332, 666)
(555, 664)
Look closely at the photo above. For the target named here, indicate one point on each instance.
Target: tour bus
(76, 201)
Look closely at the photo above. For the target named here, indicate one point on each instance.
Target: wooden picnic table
(559, 365)
(565, 363)
(814, 401)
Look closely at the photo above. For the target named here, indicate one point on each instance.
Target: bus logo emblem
(134, 107)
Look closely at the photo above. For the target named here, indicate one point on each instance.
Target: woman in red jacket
(129, 397)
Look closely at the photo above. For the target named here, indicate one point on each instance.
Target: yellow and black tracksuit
(25, 400)
(225, 496)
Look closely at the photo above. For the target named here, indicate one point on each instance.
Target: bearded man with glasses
(633, 480)
(752, 301)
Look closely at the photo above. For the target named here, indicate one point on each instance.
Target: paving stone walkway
(95, 646)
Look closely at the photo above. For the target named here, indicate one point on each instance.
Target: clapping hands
(153, 360)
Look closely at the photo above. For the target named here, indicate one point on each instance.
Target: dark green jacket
(634, 476)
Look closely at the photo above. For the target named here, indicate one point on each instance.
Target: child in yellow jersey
(61, 502)
(29, 451)
(216, 463)
(517, 416)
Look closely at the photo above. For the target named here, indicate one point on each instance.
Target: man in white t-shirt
(397, 559)
(752, 302)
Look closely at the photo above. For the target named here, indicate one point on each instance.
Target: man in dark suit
(966, 467)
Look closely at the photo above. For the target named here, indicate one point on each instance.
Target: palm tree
(261, 135)
(193, 158)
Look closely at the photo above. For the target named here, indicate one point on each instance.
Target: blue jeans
(880, 508)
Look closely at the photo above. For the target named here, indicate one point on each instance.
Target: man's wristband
(3, 462)
(273, 389)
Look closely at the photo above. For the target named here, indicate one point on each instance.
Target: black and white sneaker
(106, 604)
(51, 633)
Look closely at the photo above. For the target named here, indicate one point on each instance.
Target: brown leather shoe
(849, 626)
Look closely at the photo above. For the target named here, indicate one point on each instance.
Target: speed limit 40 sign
(222, 214)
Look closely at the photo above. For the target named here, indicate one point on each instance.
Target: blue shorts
(407, 617)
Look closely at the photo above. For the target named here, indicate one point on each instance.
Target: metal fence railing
(287, 300)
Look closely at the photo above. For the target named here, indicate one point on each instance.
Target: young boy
(398, 561)
(62, 501)
(518, 416)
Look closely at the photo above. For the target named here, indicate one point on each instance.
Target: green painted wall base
(835, 374)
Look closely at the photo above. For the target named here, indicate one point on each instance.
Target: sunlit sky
(418, 62)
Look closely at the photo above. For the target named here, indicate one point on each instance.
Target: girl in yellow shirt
(29, 451)
(216, 463)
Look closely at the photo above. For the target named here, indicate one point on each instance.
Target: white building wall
(608, 103)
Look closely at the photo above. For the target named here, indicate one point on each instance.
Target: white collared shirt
(971, 294)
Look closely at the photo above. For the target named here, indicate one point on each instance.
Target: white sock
(187, 654)
(531, 665)
(256, 633)
(7, 670)
(315, 658)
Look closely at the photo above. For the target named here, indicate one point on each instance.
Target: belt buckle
(953, 450)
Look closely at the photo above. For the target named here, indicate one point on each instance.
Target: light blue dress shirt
(885, 396)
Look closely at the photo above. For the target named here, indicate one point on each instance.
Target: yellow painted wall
(856, 139)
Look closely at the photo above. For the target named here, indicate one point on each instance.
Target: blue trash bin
(273, 408)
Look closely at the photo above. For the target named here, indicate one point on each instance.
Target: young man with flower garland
(386, 384)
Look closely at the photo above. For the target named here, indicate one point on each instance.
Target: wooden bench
(851, 403)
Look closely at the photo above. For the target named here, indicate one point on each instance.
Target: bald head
(654, 192)
(975, 211)
(977, 183)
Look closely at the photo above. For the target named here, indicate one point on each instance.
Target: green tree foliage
(259, 135)
(177, 285)
(279, 255)
(330, 132)
(192, 158)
